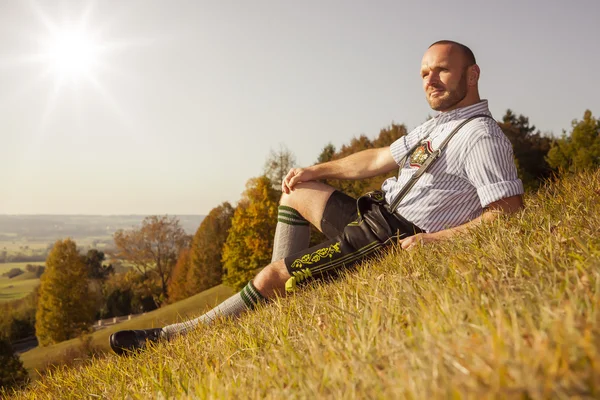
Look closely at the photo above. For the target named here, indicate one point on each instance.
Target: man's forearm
(504, 206)
(457, 230)
(361, 165)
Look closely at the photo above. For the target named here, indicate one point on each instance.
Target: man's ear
(474, 72)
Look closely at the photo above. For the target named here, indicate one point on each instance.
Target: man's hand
(295, 176)
(419, 239)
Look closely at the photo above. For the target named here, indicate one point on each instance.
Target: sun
(72, 53)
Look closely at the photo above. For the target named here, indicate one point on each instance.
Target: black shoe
(123, 342)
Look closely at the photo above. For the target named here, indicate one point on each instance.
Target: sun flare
(72, 53)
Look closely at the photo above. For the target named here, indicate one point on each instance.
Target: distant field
(5, 267)
(11, 289)
(17, 287)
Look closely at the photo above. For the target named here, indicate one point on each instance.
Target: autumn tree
(153, 248)
(278, 164)
(65, 307)
(12, 372)
(581, 149)
(356, 188)
(250, 240)
(179, 280)
(206, 265)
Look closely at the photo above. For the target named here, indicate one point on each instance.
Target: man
(473, 181)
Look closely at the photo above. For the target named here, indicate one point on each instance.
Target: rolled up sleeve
(490, 167)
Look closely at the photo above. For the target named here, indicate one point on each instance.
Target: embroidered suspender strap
(428, 162)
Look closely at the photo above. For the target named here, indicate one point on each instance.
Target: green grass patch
(509, 311)
(19, 286)
(13, 289)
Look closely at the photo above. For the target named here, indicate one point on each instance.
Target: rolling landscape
(28, 238)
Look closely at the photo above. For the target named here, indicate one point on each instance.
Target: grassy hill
(40, 357)
(508, 311)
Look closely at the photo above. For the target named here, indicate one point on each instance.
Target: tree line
(232, 243)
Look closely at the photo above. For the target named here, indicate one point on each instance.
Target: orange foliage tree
(249, 243)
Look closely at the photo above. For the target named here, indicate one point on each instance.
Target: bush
(37, 270)
(13, 272)
(12, 372)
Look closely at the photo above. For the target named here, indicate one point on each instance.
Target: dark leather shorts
(356, 228)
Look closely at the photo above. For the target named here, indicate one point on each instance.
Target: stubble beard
(451, 97)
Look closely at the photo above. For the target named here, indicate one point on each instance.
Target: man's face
(444, 73)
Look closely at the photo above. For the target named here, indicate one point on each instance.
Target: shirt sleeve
(490, 167)
(403, 145)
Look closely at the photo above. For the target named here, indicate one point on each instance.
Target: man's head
(450, 75)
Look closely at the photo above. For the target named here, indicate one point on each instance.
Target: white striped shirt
(475, 169)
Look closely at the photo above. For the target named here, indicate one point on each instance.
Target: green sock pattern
(251, 296)
(289, 216)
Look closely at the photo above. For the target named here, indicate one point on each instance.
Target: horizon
(146, 108)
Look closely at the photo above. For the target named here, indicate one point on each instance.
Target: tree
(96, 270)
(178, 282)
(206, 265)
(356, 188)
(250, 240)
(326, 154)
(278, 165)
(153, 249)
(12, 372)
(529, 148)
(580, 150)
(65, 307)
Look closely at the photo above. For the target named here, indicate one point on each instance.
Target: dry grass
(510, 311)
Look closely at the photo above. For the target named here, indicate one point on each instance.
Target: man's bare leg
(309, 199)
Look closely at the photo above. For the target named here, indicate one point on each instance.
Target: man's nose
(431, 79)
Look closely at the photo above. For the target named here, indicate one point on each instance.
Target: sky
(169, 107)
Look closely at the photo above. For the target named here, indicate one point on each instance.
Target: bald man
(473, 180)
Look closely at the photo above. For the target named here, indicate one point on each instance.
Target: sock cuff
(251, 296)
(290, 216)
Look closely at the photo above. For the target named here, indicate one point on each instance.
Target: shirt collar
(463, 112)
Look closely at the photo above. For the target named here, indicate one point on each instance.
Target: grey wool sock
(292, 233)
(247, 299)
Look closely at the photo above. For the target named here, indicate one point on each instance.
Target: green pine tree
(65, 307)
(581, 149)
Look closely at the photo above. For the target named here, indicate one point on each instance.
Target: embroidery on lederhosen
(316, 256)
(420, 154)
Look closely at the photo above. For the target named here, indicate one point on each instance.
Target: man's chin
(436, 105)
(440, 105)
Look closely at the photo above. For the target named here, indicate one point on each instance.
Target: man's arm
(507, 205)
(361, 165)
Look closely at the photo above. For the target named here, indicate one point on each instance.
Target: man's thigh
(358, 240)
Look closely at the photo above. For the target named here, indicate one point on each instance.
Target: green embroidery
(308, 259)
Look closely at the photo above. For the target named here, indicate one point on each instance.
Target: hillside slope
(511, 310)
(38, 358)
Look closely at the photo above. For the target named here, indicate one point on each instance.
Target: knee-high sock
(247, 299)
(292, 233)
